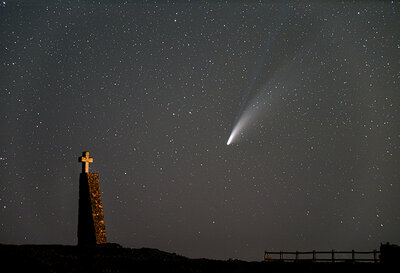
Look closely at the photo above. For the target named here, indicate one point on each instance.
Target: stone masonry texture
(91, 227)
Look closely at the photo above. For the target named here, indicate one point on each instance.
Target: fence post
(333, 256)
(375, 259)
(297, 255)
(352, 255)
(280, 255)
(313, 256)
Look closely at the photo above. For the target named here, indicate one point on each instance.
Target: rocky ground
(114, 258)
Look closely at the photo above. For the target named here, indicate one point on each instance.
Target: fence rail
(334, 256)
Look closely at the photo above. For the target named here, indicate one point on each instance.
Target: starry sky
(153, 90)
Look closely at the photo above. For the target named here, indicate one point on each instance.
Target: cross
(85, 159)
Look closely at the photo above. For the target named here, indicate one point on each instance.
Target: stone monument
(91, 227)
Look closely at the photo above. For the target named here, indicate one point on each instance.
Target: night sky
(154, 89)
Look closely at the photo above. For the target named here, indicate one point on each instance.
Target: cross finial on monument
(85, 159)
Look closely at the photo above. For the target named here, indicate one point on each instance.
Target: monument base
(91, 227)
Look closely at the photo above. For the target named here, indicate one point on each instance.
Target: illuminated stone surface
(91, 227)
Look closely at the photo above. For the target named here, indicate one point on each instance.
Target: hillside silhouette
(114, 258)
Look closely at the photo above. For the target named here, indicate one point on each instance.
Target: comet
(249, 112)
(238, 129)
(247, 118)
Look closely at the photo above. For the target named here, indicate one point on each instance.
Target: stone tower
(91, 227)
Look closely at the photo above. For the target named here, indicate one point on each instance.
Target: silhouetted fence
(323, 256)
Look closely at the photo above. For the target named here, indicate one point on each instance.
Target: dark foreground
(113, 258)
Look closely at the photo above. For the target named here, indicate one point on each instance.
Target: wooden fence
(327, 256)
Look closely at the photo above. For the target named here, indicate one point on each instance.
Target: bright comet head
(243, 122)
(229, 140)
